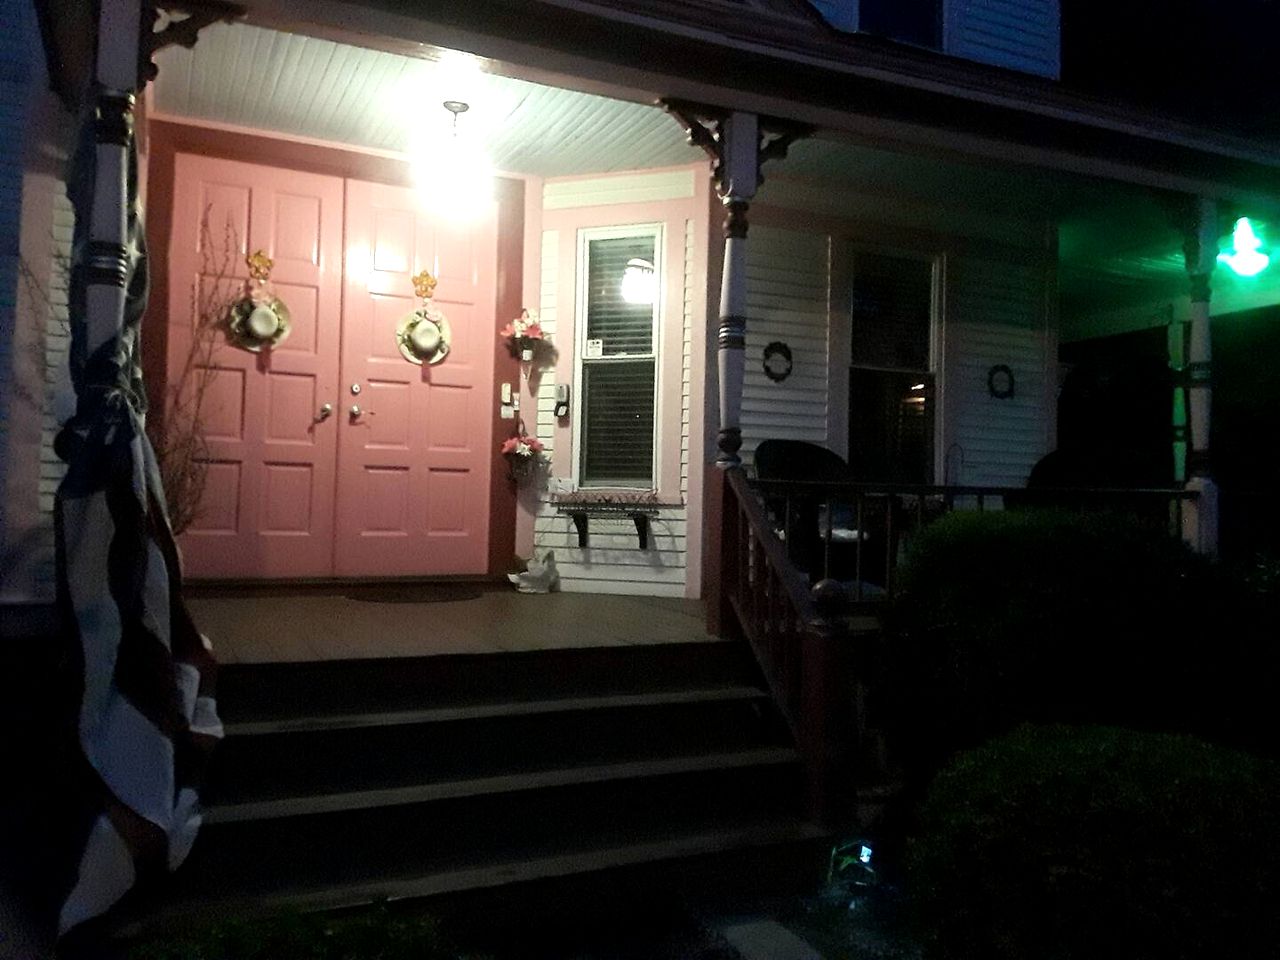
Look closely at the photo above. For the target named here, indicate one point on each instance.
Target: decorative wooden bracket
(704, 126)
(182, 32)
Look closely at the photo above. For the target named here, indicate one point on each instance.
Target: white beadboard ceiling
(252, 77)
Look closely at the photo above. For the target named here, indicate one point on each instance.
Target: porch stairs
(347, 782)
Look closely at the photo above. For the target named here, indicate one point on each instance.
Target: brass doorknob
(355, 410)
(326, 411)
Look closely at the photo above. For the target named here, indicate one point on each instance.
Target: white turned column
(1200, 525)
(116, 72)
(739, 177)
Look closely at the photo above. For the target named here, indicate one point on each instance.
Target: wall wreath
(777, 361)
(259, 320)
(1000, 382)
(424, 336)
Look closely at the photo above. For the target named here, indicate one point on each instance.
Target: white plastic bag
(540, 576)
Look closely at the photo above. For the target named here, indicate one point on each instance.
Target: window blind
(892, 312)
(624, 328)
(617, 428)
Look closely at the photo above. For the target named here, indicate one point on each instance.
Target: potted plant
(524, 336)
(523, 454)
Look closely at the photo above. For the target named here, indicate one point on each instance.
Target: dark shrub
(1050, 616)
(1061, 843)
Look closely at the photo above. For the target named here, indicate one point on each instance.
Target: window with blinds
(891, 383)
(617, 374)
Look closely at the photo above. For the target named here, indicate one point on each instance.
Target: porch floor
(308, 625)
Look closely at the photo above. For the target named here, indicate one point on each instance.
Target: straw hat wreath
(423, 336)
(259, 320)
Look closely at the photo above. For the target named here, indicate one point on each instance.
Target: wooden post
(1200, 522)
(720, 568)
(826, 704)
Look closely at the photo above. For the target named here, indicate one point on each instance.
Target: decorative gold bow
(259, 265)
(424, 285)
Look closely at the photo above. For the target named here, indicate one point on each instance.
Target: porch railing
(857, 533)
(791, 599)
(804, 643)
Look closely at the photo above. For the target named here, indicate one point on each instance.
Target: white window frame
(585, 236)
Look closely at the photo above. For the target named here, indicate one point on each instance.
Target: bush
(1049, 616)
(1061, 843)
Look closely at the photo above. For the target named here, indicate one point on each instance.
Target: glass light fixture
(639, 282)
(1246, 257)
(451, 170)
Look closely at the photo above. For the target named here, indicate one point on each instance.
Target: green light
(1247, 258)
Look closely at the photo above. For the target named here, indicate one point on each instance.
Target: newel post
(1200, 520)
(826, 711)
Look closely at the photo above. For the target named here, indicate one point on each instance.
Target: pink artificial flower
(523, 446)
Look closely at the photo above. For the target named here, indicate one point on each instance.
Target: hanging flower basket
(524, 455)
(524, 336)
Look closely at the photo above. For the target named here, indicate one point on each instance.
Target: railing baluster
(826, 542)
(889, 558)
(857, 550)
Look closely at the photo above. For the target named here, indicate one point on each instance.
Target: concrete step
(285, 692)
(344, 782)
(748, 857)
(332, 754)
(366, 837)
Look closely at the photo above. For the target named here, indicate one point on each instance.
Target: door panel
(267, 507)
(413, 486)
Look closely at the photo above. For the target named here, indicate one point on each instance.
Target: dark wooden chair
(798, 514)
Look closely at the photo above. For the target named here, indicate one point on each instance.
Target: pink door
(267, 508)
(413, 483)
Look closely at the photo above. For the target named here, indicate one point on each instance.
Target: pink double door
(331, 454)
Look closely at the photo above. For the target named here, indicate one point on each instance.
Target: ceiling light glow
(1245, 258)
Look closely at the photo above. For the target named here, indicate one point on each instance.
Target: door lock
(355, 389)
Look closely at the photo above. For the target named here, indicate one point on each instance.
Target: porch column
(738, 145)
(119, 37)
(740, 175)
(1200, 523)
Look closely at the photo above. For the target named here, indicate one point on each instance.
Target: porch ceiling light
(639, 282)
(451, 170)
(1245, 258)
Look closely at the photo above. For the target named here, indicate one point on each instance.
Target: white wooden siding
(788, 287)
(13, 94)
(59, 398)
(1020, 34)
(996, 315)
(542, 419)
(623, 188)
(612, 562)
